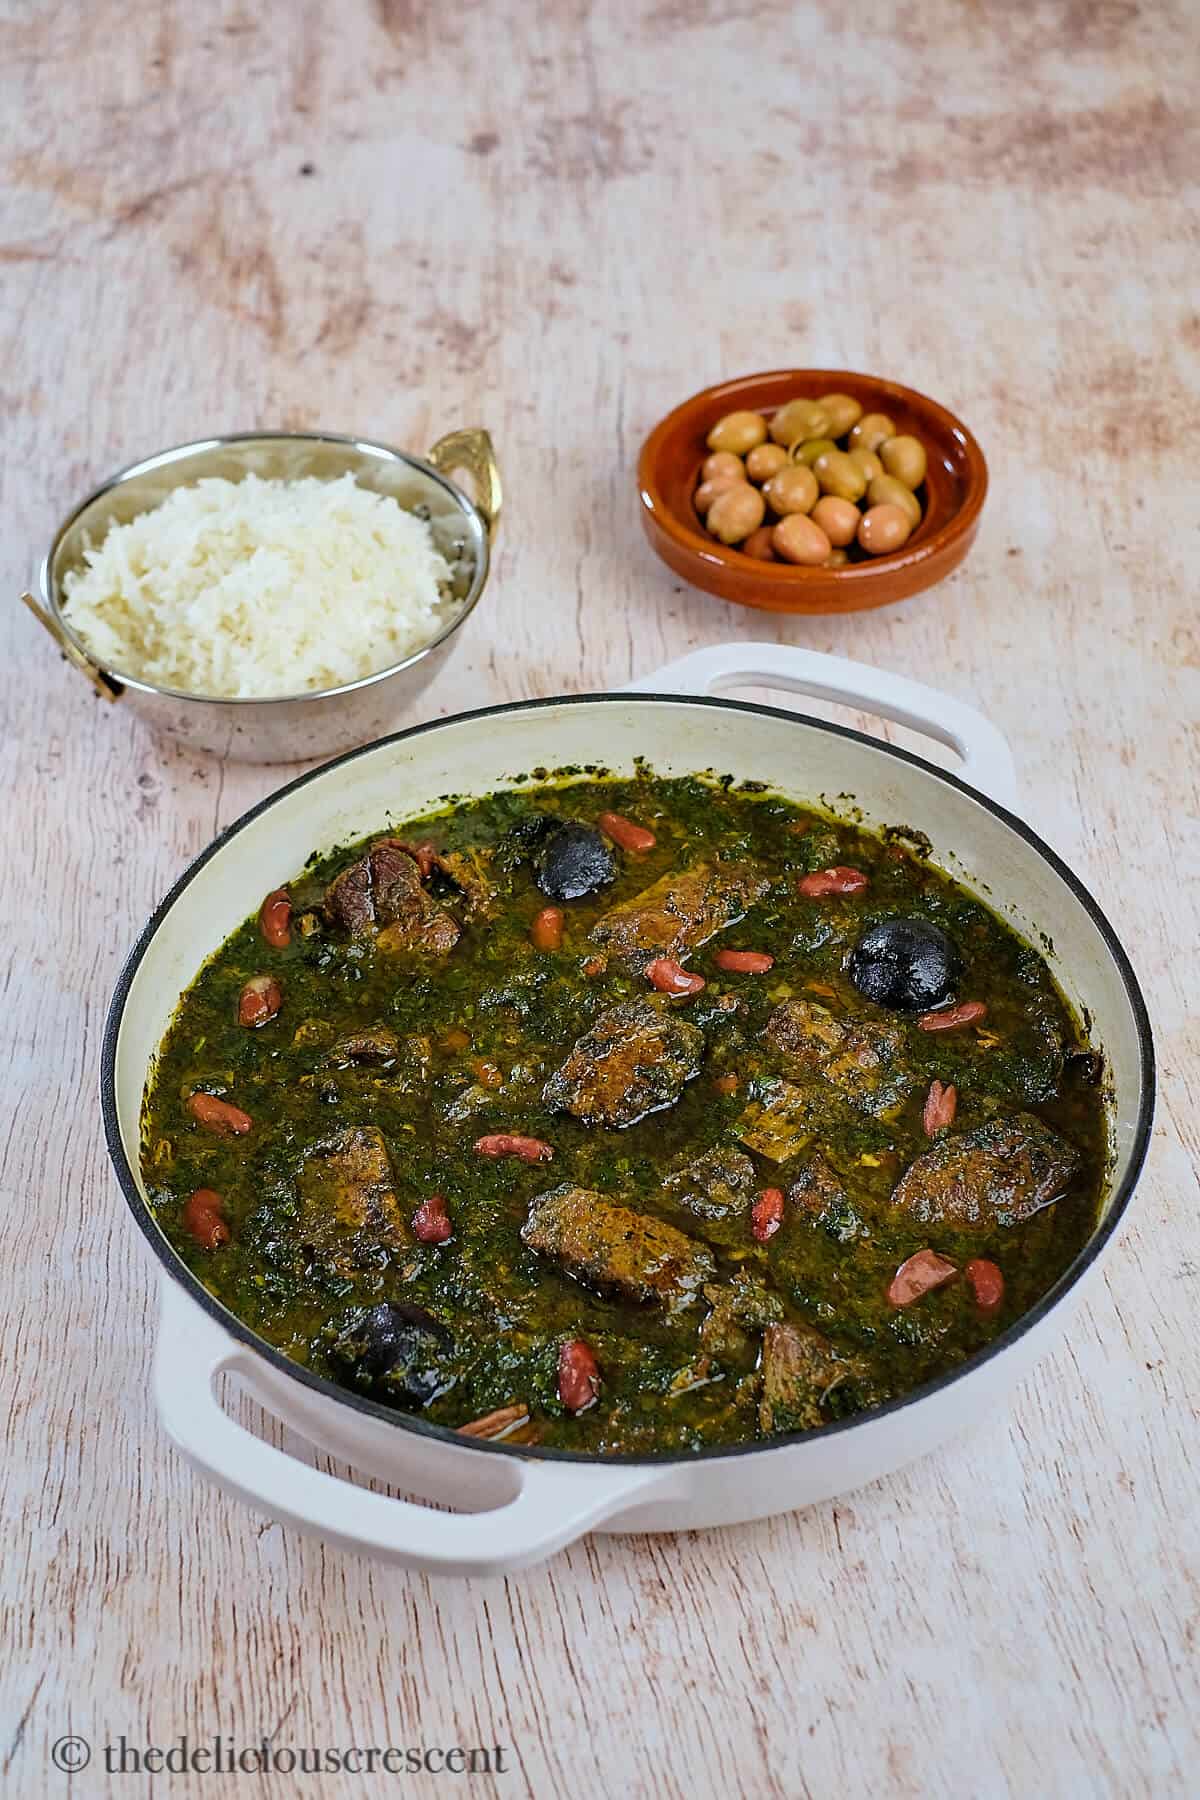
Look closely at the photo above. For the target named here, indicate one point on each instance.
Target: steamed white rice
(257, 588)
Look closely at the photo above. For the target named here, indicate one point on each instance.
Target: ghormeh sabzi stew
(625, 1116)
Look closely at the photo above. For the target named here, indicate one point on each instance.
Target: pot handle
(987, 761)
(107, 686)
(548, 1505)
(472, 449)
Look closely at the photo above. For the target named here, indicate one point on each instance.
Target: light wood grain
(558, 222)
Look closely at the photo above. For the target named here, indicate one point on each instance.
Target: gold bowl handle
(105, 685)
(472, 450)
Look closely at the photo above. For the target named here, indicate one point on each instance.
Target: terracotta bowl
(952, 497)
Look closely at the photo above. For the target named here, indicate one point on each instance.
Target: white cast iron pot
(519, 1505)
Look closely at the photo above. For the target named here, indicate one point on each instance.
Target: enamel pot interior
(807, 760)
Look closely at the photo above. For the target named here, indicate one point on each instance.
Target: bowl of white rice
(273, 596)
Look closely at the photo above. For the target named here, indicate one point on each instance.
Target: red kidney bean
(766, 1215)
(424, 855)
(838, 880)
(203, 1219)
(744, 962)
(259, 1000)
(726, 1084)
(919, 1275)
(624, 832)
(275, 919)
(595, 965)
(665, 974)
(546, 932)
(218, 1116)
(503, 1143)
(431, 1222)
(987, 1283)
(578, 1376)
(949, 1018)
(941, 1104)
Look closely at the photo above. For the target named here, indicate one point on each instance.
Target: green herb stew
(626, 1116)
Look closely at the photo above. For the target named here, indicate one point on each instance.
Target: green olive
(759, 545)
(766, 460)
(837, 518)
(904, 457)
(793, 490)
(736, 512)
(883, 528)
(707, 492)
(870, 431)
(799, 419)
(807, 450)
(798, 540)
(737, 432)
(838, 474)
(885, 490)
(722, 462)
(867, 461)
(843, 413)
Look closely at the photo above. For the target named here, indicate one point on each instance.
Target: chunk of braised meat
(804, 1035)
(679, 913)
(860, 1057)
(999, 1174)
(424, 854)
(382, 893)
(817, 1195)
(740, 1307)
(634, 1060)
(715, 1185)
(394, 1352)
(713, 1194)
(348, 1202)
(800, 1369)
(374, 1044)
(615, 1250)
(782, 1123)
(470, 871)
(815, 1187)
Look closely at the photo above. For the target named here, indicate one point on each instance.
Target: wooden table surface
(396, 218)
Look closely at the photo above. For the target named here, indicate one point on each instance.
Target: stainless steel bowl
(291, 727)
